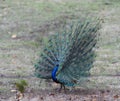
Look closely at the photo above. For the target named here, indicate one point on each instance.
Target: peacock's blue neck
(54, 73)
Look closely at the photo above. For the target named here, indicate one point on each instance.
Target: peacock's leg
(62, 86)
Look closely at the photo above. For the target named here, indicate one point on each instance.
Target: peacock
(69, 55)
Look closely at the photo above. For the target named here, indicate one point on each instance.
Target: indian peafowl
(69, 56)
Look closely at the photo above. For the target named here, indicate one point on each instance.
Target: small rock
(14, 36)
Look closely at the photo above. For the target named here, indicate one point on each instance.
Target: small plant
(20, 87)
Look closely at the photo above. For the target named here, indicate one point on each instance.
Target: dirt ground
(75, 95)
(24, 25)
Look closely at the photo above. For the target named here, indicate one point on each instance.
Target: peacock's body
(69, 56)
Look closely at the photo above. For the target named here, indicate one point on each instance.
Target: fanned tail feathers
(73, 50)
